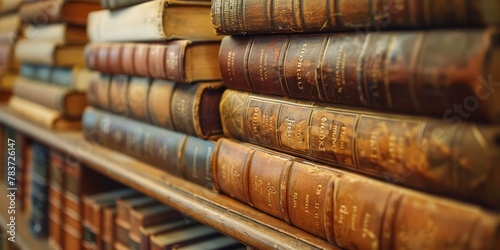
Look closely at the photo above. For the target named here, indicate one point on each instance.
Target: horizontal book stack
(51, 87)
(370, 125)
(10, 27)
(158, 93)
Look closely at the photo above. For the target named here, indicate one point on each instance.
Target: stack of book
(368, 139)
(157, 98)
(51, 87)
(10, 24)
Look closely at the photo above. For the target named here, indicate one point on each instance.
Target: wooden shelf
(244, 223)
(23, 236)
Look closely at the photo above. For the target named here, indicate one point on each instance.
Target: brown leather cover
(6, 56)
(56, 189)
(108, 235)
(168, 61)
(68, 102)
(53, 11)
(159, 103)
(448, 74)
(290, 16)
(186, 156)
(456, 160)
(118, 94)
(350, 210)
(137, 95)
(103, 87)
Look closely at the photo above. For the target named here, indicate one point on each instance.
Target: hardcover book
(74, 78)
(453, 159)
(156, 20)
(61, 33)
(49, 53)
(55, 11)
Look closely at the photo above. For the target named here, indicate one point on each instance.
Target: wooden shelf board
(234, 219)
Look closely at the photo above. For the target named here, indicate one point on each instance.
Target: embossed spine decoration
(455, 159)
(296, 16)
(347, 209)
(449, 74)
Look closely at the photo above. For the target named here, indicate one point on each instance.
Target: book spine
(406, 150)
(136, 98)
(294, 16)
(395, 71)
(361, 213)
(156, 146)
(39, 218)
(159, 61)
(56, 190)
(41, 12)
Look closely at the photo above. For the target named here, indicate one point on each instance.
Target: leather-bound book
(7, 80)
(9, 5)
(347, 209)
(293, 16)
(61, 33)
(9, 27)
(177, 60)
(452, 159)
(69, 103)
(192, 109)
(39, 216)
(192, 233)
(49, 53)
(108, 224)
(148, 231)
(43, 116)
(56, 11)
(147, 216)
(443, 73)
(93, 215)
(7, 60)
(75, 78)
(153, 21)
(56, 192)
(124, 207)
(185, 156)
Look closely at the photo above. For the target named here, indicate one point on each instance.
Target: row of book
(72, 212)
(330, 131)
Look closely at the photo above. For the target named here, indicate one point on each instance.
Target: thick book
(312, 16)
(69, 103)
(147, 216)
(93, 215)
(156, 20)
(10, 25)
(455, 159)
(55, 11)
(185, 156)
(43, 116)
(49, 53)
(177, 60)
(444, 73)
(61, 33)
(9, 6)
(192, 109)
(76, 78)
(347, 209)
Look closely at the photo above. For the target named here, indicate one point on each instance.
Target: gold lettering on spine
(396, 148)
(181, 107)
(306, 209)
(263, 65)
(271, 191)
(322, 135)
(230, 10)
(230, 64)
(194, 171)
(340, 69)
(208, 164)
(290, 121)
(342, 212)
(255, 122)
(374, 151)
(300, 84)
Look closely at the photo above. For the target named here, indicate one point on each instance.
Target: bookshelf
(250, 226)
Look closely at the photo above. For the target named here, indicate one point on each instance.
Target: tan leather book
(10, 26)
(61, 33)
(98, 89)
(177, 60)
(54, 11)
(67, 102)
(347, 209)
(7, 80)
(312, 16)
(167, 240)
(43, 116)
(452, 159)
(153, 21)
(49, 53)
